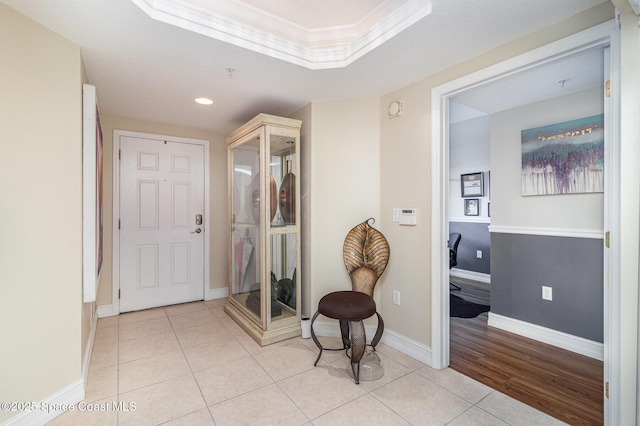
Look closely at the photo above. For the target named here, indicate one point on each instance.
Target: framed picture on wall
(472, 184)
(472, 207)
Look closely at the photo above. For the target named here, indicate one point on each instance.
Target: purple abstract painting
(564, 158)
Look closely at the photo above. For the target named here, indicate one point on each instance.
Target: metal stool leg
(379, 331)
(358, 345)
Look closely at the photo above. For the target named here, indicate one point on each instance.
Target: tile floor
(191, 364)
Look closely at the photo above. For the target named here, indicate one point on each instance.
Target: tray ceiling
(314, 34)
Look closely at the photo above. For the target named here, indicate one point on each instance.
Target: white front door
(161, 222)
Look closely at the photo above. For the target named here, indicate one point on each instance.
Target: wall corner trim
(556, 338)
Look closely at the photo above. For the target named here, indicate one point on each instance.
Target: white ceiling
(149, 70)
(570, 74)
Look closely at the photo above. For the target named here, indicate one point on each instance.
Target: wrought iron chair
(366, 254)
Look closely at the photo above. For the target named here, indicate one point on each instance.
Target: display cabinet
(264, 228)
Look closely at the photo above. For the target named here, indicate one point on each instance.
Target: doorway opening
(599, 37)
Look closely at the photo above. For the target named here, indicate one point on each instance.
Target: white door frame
(117, 134)
(606, 34)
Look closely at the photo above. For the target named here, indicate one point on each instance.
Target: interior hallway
(191, 364)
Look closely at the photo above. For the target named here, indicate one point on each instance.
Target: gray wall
(533, 239)
(475, 236)
(522, 264)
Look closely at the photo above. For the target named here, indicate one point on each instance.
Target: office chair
(454, 240)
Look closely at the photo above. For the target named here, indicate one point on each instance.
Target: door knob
(197, 231)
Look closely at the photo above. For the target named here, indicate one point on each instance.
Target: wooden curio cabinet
(264, 228)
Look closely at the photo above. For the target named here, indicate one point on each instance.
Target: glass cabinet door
(245, 226)
(283, 247)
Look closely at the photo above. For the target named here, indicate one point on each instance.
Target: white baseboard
(407, 346)
(70, 395)
(89, 350)
(389, 337)
(546, 335)
(470, 275)
(217, 293)
(106, 311)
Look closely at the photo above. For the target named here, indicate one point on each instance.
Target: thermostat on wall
(407, 216)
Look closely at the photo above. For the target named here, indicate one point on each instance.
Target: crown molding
(251, 28)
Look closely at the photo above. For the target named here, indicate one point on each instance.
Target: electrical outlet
(479, 254)
(547, 293)
(396, 297)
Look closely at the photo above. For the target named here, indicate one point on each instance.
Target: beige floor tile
(201, 334)
(365, 410)
(224, 350)
(98, 413)
(320, 390)
(102, 383)
(327, 342)
(145, 315)
(216, 303)
(198, 418)
(104, 353)
(226, 381)
(286, 361)
(184, 308)
(420, 401)
(514, 412)
(143, 347)
(392, 371)
(265, 406)
(228, 322)
(457, 383)
(193, 319)
(154, 369)
(476, 417)
(162, 402)
(254, 348)
(145, 328)
(106, 335)
(175, 361)
(107, 322)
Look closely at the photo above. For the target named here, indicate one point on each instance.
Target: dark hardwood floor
(563, 384)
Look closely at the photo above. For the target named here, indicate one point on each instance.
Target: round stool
(350, 308)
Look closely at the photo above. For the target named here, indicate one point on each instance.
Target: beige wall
(406, 177)
(40, 221)
(218, 195)
(304, 115)
(340, 188)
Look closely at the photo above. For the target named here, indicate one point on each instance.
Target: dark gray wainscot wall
(522, 264)
(475, 236)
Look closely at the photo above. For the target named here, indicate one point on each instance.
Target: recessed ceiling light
(204, 101)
